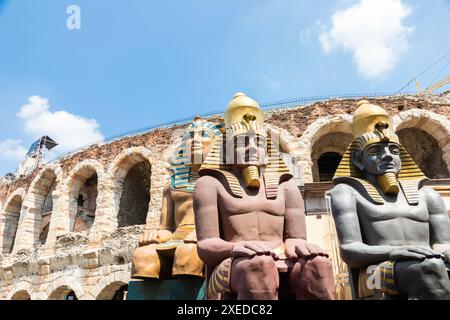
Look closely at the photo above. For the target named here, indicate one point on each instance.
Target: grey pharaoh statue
(392, 229)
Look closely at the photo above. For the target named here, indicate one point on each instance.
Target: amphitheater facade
(68, 229)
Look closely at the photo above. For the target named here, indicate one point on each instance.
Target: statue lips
(387, 166)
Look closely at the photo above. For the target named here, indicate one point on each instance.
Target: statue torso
(252, 217)
(183, 212)
(393, 223)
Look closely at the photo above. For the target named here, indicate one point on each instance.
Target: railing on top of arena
(280, 104)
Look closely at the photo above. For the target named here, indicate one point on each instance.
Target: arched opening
(21, 295)
(327, 165)
(135, 197)
(83, 194)
(11, 221)
(70, 296)
(425, 151)
(326, 154)
(42, 206)
(114, 291)
(86, 204)
(63, 293)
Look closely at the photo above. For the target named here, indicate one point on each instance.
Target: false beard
(388, 183)
(251, 176)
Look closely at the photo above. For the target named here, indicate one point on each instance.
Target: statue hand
(252, 248)
(191, 238)
(447, 255)
(155, 236)
(299, 248)
(412, 252)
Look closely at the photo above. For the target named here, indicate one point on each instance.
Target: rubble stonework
(96, 262)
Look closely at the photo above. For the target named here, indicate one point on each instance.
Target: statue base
(171, 289)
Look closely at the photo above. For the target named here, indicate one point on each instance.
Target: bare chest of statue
(252, 217)
(183, 207)
(396, 222)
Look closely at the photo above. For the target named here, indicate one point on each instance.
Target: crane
(433, 87)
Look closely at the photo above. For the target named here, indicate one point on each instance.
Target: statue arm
(166, 224)
(354, 252)
(211, 248)
(295, 224)
(439, 221)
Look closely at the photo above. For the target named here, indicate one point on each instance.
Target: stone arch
(60, 288)
(21, 295)
(85, 182)
(435, 125)
(131, 207)
(108, 285)
(40, 203)
(20, 291)
(110, 290)
(10, 219)
(324, 127)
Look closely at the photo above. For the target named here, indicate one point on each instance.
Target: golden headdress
(372, 124)
(242, 116)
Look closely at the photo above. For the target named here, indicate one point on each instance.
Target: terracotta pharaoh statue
(392, 230)
(171, 250)
(250, 218)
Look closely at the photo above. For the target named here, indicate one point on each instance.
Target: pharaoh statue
(171, 250)
(249, 217)
(393, 231)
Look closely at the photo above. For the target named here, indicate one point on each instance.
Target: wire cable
(431, 66)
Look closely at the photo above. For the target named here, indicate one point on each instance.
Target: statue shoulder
(428, 192)
(205, 182)
(289, 185)
(432, 197)
(343, 189)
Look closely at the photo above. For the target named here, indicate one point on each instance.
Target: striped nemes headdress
(372, 124)
(244, 116)
(182, 178)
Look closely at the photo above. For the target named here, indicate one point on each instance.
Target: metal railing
(280, 104)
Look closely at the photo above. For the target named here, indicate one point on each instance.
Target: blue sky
(137, 63)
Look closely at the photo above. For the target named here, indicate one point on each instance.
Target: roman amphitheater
(68, 229)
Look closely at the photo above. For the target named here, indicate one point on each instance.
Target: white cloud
(12, 149)
(373, 31)
(68, 130)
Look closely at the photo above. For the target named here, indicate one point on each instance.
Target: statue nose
(387, 155)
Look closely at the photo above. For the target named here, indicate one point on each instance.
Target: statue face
(198, 142)
(250, 149)
(381, 158)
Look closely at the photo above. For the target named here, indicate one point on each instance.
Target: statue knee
(256, 272)
(257, 276)
(314, 279)
(145, 263)
(435, 267)
(321, 266)
(262, 265)
(186, 261)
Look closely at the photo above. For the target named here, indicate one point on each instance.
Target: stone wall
(96, 262)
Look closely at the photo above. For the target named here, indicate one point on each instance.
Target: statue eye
(394, 149)
(374, 150)
(205, 134)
